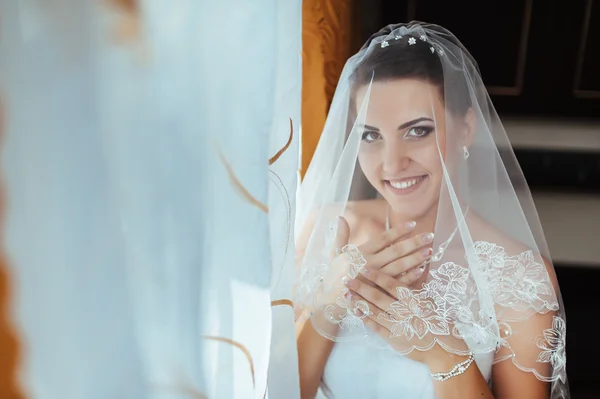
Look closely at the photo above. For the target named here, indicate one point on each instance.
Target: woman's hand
(380, 299)
(385, 254)
(469, 384)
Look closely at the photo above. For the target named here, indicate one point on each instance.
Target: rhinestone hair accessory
(412, 41)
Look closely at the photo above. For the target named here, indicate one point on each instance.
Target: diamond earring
(465, 152)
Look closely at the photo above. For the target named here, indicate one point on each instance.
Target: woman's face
(404, 125)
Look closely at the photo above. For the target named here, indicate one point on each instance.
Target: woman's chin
(412, 207)
(416, 212)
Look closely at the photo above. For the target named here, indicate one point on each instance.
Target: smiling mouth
(405, 186)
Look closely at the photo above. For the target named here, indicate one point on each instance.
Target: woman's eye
(369, 137)
(418, 132)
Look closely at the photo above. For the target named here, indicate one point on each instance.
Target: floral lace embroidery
(347, 315)
(553, 346)
(442, 302)
(356, 260)
(447, 304)
(416, 315)
(351, 315)
(516, 282)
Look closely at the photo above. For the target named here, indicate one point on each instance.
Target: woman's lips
(406, 185)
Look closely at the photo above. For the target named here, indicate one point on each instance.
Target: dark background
(540, 62)
(537, 57)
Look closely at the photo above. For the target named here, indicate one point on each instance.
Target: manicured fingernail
(427, 252)
(345, 281)
(365, 271)
(347, 295)
(419, 270)
(410, 225)
(427, 238)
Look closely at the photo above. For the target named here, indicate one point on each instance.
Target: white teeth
(405, 184)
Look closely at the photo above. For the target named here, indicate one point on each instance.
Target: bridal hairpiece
(412, 41)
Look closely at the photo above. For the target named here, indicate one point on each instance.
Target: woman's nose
(395, 158)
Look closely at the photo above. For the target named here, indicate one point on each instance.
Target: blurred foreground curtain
(149, 164)
(327, 43)
(9, 347)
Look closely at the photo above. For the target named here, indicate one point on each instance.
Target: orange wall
(9, 346)
(326, 45)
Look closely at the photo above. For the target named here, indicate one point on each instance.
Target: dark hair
(400, 60)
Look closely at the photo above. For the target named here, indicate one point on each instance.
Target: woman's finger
(410, 277)
(365, 280)
(374, 325)
(331, 283)
(338, 266)
(408, 263)
(371, 294)
(386, 238)
(373, 321)
(341, 229)
(382, 280)
(390, 284)
(399, 250)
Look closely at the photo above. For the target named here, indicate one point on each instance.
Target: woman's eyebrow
(413, 122)
(401, 127)
(368, 127)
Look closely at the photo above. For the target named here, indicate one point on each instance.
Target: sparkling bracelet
(456, 370)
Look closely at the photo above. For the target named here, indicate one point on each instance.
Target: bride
(423, 269)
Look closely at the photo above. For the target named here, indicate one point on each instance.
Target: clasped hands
(390, 260)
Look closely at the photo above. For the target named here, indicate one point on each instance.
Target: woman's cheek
(367, 164)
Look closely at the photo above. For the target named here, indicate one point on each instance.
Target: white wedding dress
(361, 370)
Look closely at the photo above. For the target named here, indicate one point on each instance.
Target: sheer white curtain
(284, 150)
(149, 193)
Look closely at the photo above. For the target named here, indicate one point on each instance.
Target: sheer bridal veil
(490, 287)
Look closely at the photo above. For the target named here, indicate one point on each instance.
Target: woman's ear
(470, 127)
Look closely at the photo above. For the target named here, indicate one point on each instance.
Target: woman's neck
(425, 222)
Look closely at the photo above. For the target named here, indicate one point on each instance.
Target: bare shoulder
(487, 232)
(374, 209)
(363, 217)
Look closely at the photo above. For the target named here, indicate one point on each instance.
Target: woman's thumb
(342, 233)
